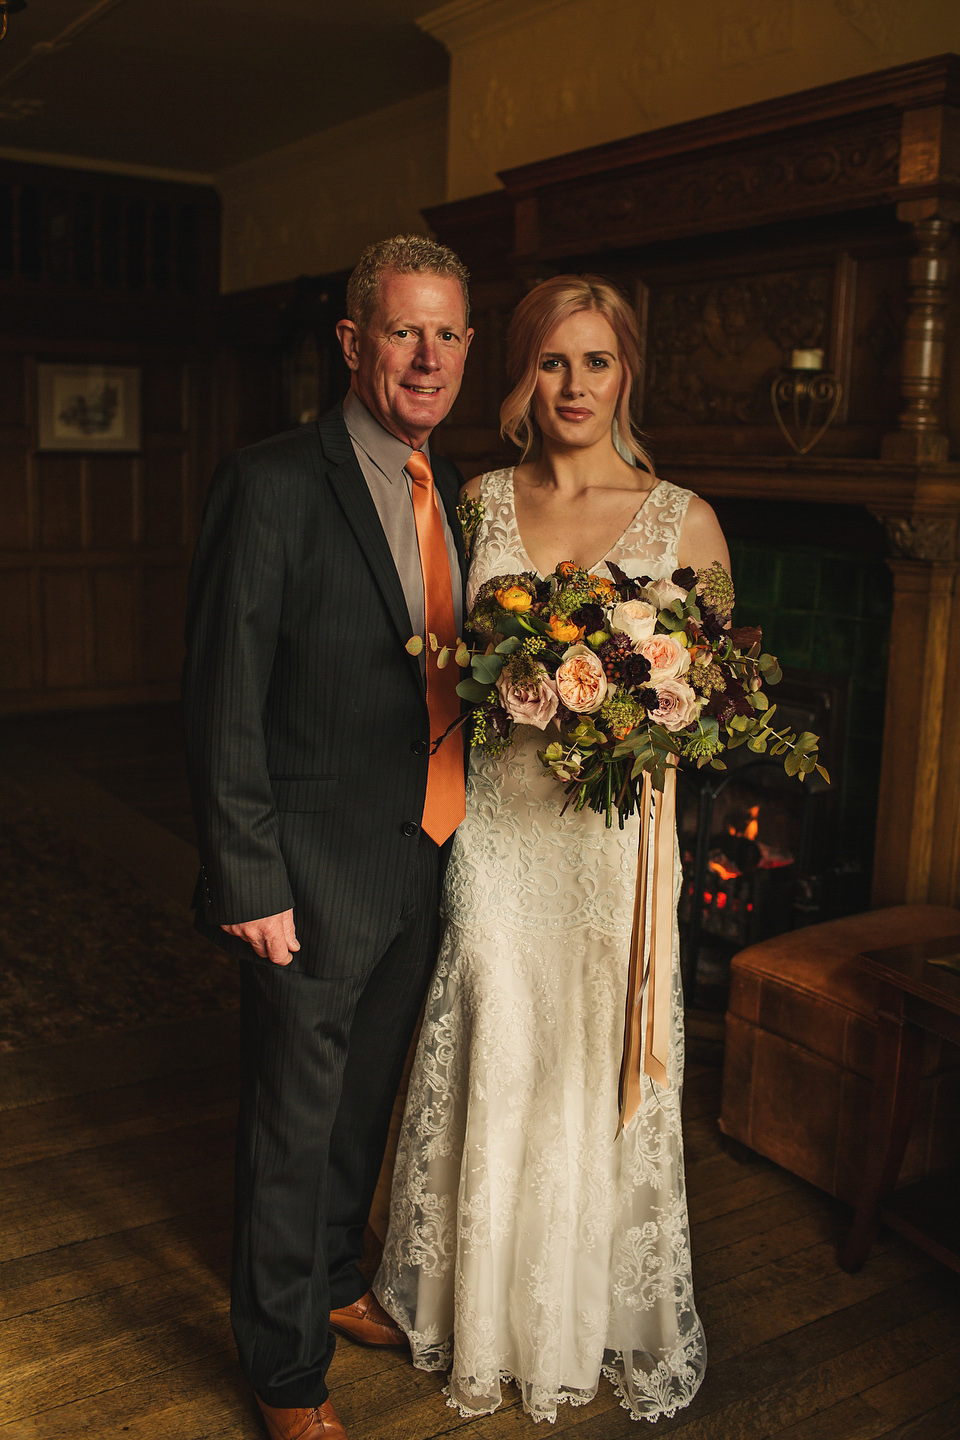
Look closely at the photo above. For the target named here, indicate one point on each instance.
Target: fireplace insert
(758, 848)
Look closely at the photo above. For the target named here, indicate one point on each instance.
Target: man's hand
(274, 938)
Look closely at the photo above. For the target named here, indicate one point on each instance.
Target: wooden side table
(916, 994)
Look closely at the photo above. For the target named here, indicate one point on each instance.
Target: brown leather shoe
(367, 1322)
(320, 1422)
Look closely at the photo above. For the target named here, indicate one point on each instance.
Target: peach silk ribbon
(654, 894)
(443, 807)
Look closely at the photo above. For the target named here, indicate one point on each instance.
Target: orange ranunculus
(514, 597)
(603, 588)
(565, 630)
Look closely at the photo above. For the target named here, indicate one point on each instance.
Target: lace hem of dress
(541, 1404)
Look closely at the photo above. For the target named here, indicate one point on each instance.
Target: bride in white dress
(526, 1242)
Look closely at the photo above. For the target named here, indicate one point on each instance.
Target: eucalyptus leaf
(670, 621)
(414, 645)
(486, 668)
(473, 691)
(507, 647)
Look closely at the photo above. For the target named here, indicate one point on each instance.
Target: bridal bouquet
(636, 674)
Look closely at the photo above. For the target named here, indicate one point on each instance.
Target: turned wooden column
(920, 776)
(919, 438)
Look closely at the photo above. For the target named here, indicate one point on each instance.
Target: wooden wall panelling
(60, 501)
(116, 608)
(16, 628)
(102, 270)
(162, 617)
(67, 628)
(111, 486)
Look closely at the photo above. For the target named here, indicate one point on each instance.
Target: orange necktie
(443, 808)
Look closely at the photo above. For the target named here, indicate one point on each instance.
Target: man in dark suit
(323, 808)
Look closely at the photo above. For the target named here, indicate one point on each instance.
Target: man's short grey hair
(404, 255)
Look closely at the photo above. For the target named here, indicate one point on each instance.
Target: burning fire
(750, 830)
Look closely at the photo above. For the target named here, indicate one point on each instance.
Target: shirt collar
(389, 454)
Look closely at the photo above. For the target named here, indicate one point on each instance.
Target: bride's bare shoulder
(471, 490)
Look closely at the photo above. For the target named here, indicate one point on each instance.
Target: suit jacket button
(419, 747)
(409, 828)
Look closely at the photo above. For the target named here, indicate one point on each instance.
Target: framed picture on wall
(88, 407)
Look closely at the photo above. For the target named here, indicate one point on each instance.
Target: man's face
(407, 366)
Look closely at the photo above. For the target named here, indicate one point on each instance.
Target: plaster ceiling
(197, 85)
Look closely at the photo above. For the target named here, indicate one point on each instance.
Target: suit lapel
(347, 482)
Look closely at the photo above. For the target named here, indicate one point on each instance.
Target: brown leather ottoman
(798, 1062)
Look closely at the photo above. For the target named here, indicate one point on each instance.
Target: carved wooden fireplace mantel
(818, 220)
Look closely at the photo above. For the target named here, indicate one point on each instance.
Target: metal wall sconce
(8, 8)
(809, 397)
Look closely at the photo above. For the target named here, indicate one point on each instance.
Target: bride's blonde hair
(551, 302)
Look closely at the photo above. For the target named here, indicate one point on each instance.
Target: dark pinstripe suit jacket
(306, 720)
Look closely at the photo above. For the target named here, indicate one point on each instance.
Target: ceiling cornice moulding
(462, 21)
(104, 167)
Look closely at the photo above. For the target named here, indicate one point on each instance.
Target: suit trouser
(321, 1060)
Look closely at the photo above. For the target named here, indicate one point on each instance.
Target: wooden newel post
(919, 438)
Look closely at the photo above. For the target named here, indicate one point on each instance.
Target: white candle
(806, 360)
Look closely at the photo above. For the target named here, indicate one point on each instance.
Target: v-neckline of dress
(522, 549)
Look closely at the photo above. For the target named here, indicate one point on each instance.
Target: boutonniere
(469, 513)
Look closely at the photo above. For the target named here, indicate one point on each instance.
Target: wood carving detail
(713, 347)
(763, 181)
(925, 538)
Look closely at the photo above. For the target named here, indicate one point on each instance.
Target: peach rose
(637, 619)
(581, 681)
(676, 707)
(528, 702)
(668, 658)
(663, 593)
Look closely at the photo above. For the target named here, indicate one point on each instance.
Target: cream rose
(531, 701)
(663, 593)
(637, 619)
(676, 705)
(668, 658)
(581, 681)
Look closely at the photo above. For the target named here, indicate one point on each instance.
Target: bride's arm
(471, 490)
(701, 539)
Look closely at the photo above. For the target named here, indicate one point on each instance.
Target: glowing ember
(725, 872)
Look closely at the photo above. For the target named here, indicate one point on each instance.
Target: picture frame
(88, 407)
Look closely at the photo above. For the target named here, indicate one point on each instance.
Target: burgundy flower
(635, 671)
(589, 616)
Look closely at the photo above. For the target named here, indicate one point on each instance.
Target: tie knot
(418, 468)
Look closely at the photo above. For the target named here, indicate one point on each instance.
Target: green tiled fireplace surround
(828, 611)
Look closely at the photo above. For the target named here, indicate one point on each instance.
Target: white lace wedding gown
(525, 1242)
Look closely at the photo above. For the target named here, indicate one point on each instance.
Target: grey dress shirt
(382, 458)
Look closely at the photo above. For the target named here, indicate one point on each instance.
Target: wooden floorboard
(114, 1260)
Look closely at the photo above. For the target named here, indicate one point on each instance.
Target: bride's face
(579, 380)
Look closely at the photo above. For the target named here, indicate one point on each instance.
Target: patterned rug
(82, 948)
